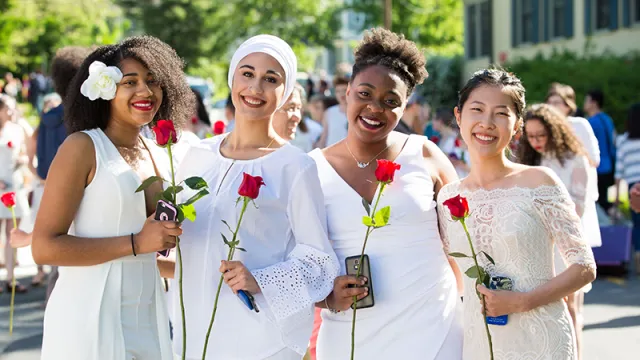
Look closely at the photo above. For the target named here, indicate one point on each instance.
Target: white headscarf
(276, 48)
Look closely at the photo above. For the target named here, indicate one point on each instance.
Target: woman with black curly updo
(108, 303)
(415, 314)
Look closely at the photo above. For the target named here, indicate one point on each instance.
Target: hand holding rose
(238, 277)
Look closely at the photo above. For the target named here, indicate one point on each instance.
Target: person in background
(628, 169)
(413, 121)
(549, 141)
(230, 114)
(200, 123)
(310, 88)
(335, 118)
(318, 105)
(12, 157)
(290, 123)
(37, 90)
(51, 133)
(51, 101)
(563, 98)
(605, 133)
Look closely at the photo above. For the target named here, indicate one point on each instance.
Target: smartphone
(165, 212)
(353, 264)
(248, 300)
(500, 283)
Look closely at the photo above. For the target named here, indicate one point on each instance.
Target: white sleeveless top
(415, 315)
(115, 310)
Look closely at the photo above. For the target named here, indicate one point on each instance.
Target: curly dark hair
(65, 65)
(561, 140)
(178, 100)
(383, 47)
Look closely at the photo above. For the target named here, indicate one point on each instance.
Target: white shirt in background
(336, 122)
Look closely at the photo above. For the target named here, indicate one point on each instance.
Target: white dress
(287, 251)
(10, 173)
(417, 308)
(115, 310)
(518, 227)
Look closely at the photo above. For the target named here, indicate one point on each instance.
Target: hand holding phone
(500, 283)
(165, 212)
(156, 236)
(352, 264)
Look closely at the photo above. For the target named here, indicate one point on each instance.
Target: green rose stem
(484, 306)
(13, 278)
(232, 248)
(179, 253)
(355, 298)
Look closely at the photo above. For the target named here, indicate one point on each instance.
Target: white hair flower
(101, 82)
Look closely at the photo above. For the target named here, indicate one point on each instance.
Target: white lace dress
(287, 251)
(518, 227)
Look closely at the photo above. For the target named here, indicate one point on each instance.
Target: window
(602, 14)
(478, 30)
(471, 31)
(636, 11)
(526, 22)
(557, 18)
(485, 29)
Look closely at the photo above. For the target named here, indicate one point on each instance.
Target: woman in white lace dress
(289, 264)
(517, 214)
(551, 142)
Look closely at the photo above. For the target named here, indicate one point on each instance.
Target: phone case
(500, 283)
(248, 300)
(352, 264)
(165, 212)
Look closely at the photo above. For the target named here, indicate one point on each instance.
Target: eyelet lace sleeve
(292, 287)
(563, 225)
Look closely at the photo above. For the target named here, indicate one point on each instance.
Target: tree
(208, 29)
(32, 31)
(436, 25)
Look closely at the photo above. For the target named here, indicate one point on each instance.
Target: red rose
(457, 143)
(218, 127)
(163, 130)
(434, 139)
(458, 207)
(386, 170)
(194, 120)
(10, 145)
(9, 199)
(250, 186)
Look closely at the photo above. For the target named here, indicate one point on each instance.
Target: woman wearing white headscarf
(289, 263)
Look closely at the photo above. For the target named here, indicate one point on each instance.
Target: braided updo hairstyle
(385, 48)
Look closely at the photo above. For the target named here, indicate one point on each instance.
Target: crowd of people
(315, 152)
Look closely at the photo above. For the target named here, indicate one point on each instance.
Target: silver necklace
(363, 165)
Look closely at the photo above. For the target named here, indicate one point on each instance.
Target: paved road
(612, 322)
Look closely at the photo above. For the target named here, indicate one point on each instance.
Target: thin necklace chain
(362, 165)
(268, 146)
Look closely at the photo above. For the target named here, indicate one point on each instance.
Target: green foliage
(445, 76)
(31, 31)
(201, 29)
(617, 76)
(434, 24)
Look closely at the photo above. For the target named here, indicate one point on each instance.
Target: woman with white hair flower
(289, 264)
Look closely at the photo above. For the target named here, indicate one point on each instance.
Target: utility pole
(387, 14)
